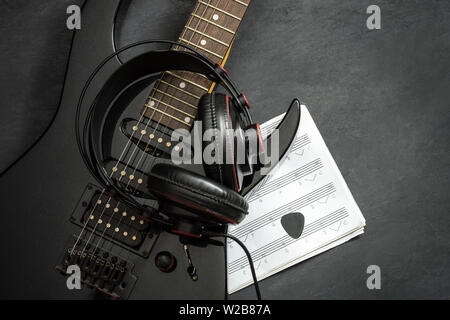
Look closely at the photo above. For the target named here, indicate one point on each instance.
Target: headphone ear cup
(216, 113)
(184, 193)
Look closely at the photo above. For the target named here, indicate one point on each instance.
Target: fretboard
(210, 29)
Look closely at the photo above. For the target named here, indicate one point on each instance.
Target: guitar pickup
(151, 138)
(109, 220)
(129, 178)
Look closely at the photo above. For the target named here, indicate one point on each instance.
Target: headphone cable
(247, 253)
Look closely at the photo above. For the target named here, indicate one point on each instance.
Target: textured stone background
(380, 98)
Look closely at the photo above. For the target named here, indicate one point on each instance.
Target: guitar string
(170, 121)
(143, 132)
(148, 143)
(206, 26)
(148, 165)
(99, 221)
(146, 155)
(107, 204)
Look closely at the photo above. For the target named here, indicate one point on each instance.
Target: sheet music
(308, 181)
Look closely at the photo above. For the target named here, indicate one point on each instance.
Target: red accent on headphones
(221, 67)
(243, 100)
(232, 152)
(260, 137)
(185, 233)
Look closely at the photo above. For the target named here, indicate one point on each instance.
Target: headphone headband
(140, 67)
(154, 62)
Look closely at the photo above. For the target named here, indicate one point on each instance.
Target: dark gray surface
(34, 47)
(380, 99)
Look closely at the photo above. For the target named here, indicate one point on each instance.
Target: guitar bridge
(99, 268)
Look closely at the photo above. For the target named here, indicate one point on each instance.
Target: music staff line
(276, 184)
(286, 240)
(268, 129)
(275, 214)
(300, 142)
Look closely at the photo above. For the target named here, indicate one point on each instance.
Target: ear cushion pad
(197, 193)
(215, 112)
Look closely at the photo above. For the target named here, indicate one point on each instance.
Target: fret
(172, 107)
(177, 88)
(185, 85)
(208, 36)
(175, 98)
(203, 76)
(168, 115)
(188, 81)
(213, 23)
(240, 2)
(220, 10)
(198, 42)
(211, 30)
(201, 48)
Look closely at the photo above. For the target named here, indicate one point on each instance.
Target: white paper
(308, 181)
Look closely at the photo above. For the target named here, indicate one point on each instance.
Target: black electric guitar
(54, 214)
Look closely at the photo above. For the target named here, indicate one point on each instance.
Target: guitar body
(40, 193)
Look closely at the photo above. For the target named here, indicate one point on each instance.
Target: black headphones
(198, 206)
(194, 201)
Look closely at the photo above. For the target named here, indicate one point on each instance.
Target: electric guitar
(54, 214)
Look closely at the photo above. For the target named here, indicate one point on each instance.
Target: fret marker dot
(141, 222)
(216, 17)
(132, 218)
(187, 119)
(116, 229)
(108, 225)
(182, 85)
(152, 103)
(143, 132)
(124, 214)
(203, 42)
(139, 181)
(151, 136)
(100, 221)
(99, 201)
(122, 173)
(131, 177)
(160, 140)
(135, 128)
(107, 205)
(134, 238)
(125, 234)
(116, 209)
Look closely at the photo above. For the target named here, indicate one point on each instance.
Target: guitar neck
(210, 29)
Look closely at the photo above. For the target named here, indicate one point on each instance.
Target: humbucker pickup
(130, 179)
(105, 219)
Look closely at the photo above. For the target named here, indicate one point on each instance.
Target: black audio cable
(247, 253)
